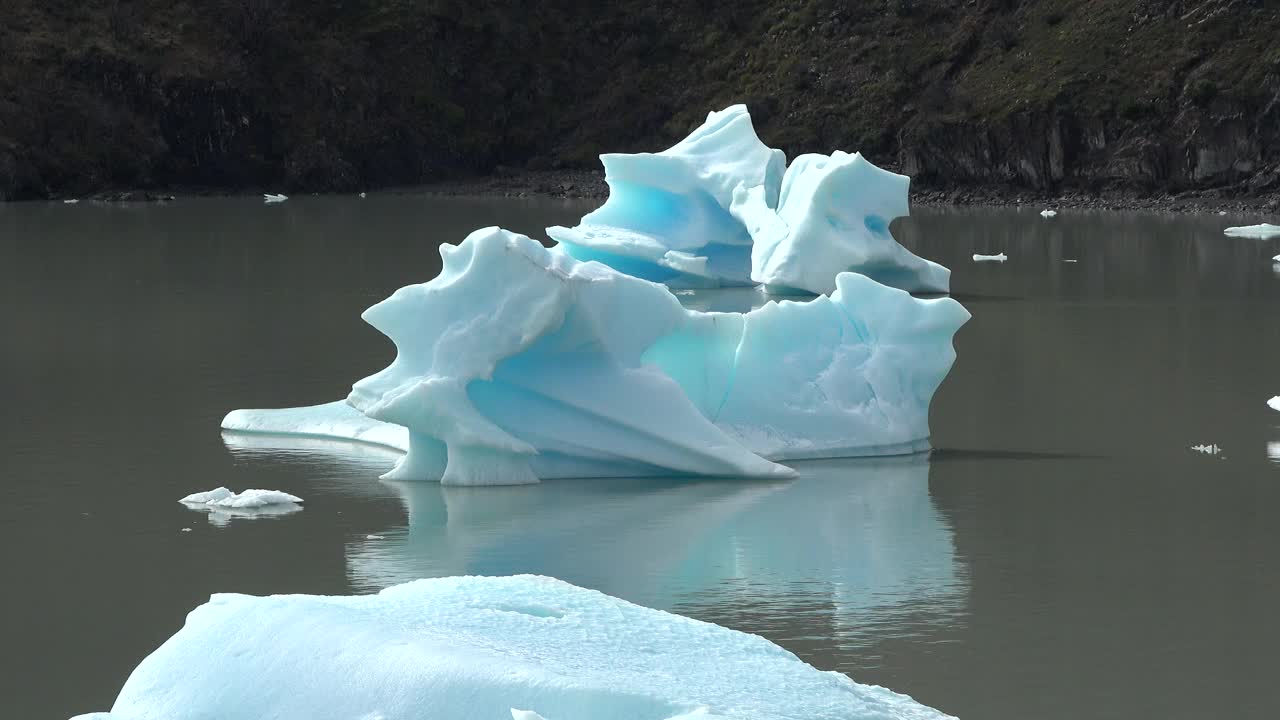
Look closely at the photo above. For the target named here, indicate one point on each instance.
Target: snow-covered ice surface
(667, 217)
(572, 369)
(832, 215)
(994, 258)
(479, 648)
(1264, 231)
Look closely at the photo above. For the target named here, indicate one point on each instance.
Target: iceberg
(1001, 257)
(832, 215)
(487, 648)
(270, 198)
(1048, 214)
(249, 499)
(667, 217)
(517, 364)
(223, 506)
(1265, 231)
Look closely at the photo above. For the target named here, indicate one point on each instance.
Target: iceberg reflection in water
(843, 550)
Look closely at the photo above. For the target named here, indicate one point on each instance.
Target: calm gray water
(1062, 554)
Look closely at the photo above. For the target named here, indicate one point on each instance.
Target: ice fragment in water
(989, 258)
(1264, 231)
(1048, 213)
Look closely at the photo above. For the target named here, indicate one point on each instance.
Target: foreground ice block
(480, 648)
(667, 217)
(833, 215)
(517, 364)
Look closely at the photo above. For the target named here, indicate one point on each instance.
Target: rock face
(1140, 95)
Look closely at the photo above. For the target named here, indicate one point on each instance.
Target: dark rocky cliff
(1143, 95)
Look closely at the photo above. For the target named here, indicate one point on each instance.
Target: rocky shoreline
(590, 185)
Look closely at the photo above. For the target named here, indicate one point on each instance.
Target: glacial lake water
(1063, 553)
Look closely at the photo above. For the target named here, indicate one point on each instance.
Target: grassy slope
(337, 95)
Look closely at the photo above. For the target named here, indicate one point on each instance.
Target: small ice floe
(71, 201)
(186, 529)
(1048, 213)
(1065, 260)
(1274, 403)
(222, 497)
(223, 505)
(375, 537)
(1265, 231)
(269, 198)
(990, 258)
(364, 195)
(1222, 212)
(1207, 449)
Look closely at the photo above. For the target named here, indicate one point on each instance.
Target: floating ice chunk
(1070, 261)
(1276, 258)
(1048, 213)
(477, 647)
(224, 498)
(224, 505)
(994, 258)
(375, 537)
(832, 215)
(667, 217)
(70, 201)
(1264, 231)
(1274, 403)
(577, 370)
(186, 529)
(364, 195)
(1207, 449)
(1222, 212)
(1273, 451)
(269, 198)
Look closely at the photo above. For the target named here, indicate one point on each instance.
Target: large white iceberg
(667, 218)
(833, 215)
(480, 648)
(517, 363)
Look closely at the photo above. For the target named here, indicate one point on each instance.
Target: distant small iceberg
(1048, 213)
(224, 498)
(1265, 231)
(990, 258)
(269, 198)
